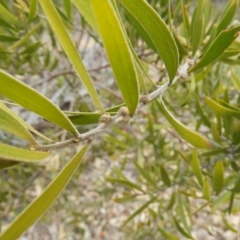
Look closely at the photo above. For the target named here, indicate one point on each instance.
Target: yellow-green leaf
(157, 31)
(32, 10)
(215, 134)
(9, 122)
(29, 98)
(118, 52)
(206, 189)
(168, 235)
(219, 109)
(218, 179)
(138, 211)
(85, 8)
(196, 167)
(165, 177)
(11, 153)
(235, 80)
(217, 48)
(192, 137)
(70, 49)
(24, 39)
(39, 206)
(8, 16)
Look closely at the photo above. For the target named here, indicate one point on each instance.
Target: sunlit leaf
(39, 206)
(8, 16)
(11, 153)
(70, 49)
(218, 177)
(9, 122)
(34, 101)
(29, 127)
(157, 31)
(118, 51)
(192, 137)
(217, 48)
(85, 8)
(219, 109)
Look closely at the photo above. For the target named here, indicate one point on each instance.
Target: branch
(122, 116)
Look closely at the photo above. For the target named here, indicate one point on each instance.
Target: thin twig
(121, 116)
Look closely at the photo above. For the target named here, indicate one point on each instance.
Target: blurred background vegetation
(137, 181)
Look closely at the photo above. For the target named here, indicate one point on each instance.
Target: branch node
(105, 118)
(145, 99)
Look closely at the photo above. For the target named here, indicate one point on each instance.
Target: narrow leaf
(145, 175)
(197, 26)
(206, 189)
(215, 134)
(24, 39)
(168, 235)
(118, 52)
(191, 90)
(138, 211)
(192, 137)
(34, 101)
(6, 38)
(235, 80)
(7, 164)
(8, 16)
(217, 48)
(70, 49)
(39, 206)
(157, 31)
(10, 123)
(218, 177)
(85, 118)
(186, 23)
(11, 153)
(181, 229)
(32, 10)
(165, 177)
(125, 182)
(228, 14)
(85, 8)
(196, 167)
(219, 109)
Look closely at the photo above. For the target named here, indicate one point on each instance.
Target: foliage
(182, 129)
